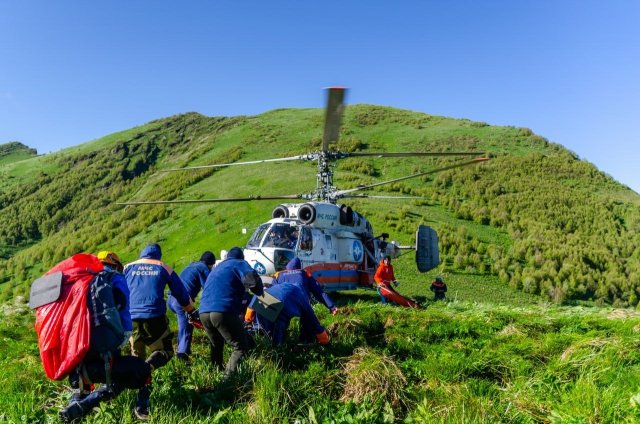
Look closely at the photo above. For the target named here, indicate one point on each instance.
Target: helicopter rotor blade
(333, 116)
(252, 162)
(314, 156)
(367, 196)
(341, 193)
(410, 154)
(221, 200)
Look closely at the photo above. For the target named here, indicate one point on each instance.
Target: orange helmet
(108, 257)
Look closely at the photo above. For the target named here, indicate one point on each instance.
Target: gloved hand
(194, 319)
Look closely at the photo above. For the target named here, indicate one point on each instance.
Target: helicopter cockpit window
(257, 236)
(306, 241)
(281, 235)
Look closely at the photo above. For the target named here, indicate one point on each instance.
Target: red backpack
(62, 315)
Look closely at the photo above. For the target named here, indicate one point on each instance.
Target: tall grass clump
(271, 401)
(372, 376)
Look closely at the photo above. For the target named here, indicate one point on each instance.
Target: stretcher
(395, 297)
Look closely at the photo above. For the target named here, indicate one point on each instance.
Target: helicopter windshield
(257, 236)
(281, 235)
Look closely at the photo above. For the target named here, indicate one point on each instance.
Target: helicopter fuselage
(334, 243)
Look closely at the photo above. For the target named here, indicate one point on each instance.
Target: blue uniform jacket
(296, 304)
(226, 284)
(294, 274)
(147, 278)
(193, 277)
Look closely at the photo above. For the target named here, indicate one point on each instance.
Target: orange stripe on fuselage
(335, 273)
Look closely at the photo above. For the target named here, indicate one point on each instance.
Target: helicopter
(334, 243)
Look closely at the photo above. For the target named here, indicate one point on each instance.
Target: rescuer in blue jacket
(193, 277)
(221, 307)
(295, 304)
(147, 278)
(294, 274)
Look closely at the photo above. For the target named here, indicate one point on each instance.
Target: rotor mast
(324, 186)
(332, 122)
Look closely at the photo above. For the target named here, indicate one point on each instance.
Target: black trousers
(129, 372)
(225, 327)
(126, 372)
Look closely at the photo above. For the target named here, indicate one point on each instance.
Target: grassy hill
(535, 217)
(531, 242)
(14, 152)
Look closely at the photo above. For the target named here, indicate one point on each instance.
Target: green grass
(26, 170)
(14, 157)
(15, 152)
(451, 362)
(109, 140)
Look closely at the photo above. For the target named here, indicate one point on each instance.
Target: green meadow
(470, 359)
(540, 250)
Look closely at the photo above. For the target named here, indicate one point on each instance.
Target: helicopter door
(336, 261)
(330, 251)
(318, 254)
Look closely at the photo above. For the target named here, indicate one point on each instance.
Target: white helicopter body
(335, 244)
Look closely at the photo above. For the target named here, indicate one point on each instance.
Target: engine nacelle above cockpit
(324, 215)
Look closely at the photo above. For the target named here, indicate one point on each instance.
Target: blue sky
(73, 71)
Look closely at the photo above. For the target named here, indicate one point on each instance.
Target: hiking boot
(71, 413)
(77, 396)
(141, 413)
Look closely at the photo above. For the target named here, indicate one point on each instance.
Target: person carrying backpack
(112, 263)
(110, 327)
(147, 278)
(193, 277)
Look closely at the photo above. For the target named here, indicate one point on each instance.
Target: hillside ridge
(535, 218)
(15, 151)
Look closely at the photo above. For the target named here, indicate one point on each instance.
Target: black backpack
(107, 333)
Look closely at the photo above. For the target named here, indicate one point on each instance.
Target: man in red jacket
(384, 278)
